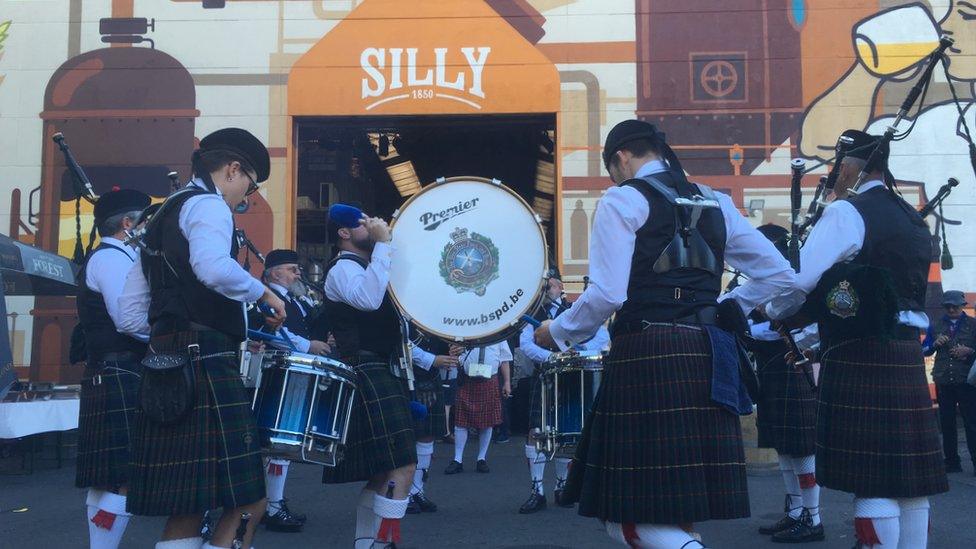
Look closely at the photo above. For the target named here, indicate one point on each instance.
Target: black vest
(101, 336)
(678, 292)
(295, 319)
(895, 239)
(377, 332)
(948, 370)
(542, 313)
(177, 297)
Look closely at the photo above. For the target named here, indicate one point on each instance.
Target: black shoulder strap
(353, 257)
(106, 246)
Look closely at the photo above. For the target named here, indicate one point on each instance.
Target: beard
(365, 243)
(298, 288)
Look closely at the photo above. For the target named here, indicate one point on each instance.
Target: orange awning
(391, 57)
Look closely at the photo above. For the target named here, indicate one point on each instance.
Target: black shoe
(420, 503)
(780, 525)
(281, 521)
(482, 466)
(448, 439)
(536, 502)
(454, 468)
(953, 468)
(802, 531)
(502, 439)
(298, 516)
(557, 498)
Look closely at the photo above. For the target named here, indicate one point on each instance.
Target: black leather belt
(908, 333)
(705, 316)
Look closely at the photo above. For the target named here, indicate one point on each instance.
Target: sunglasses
(252, 187)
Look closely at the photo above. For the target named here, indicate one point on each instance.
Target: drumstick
(263, 307)
(533, 322)
(269, 338)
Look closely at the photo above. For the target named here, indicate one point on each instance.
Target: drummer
(380, 446)
(647, 467)
(553, 305)
(283, 277)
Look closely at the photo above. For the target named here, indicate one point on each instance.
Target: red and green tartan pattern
(212, 458)
(786, 414)
(478, 404)
(381, 436)
(655, 448)
(106, 415)
(877, 434)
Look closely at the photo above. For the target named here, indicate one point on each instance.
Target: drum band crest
(842, 300)
(469, 263)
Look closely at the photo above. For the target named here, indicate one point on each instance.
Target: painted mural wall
(740, 87)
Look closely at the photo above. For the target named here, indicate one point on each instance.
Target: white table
(21, 419)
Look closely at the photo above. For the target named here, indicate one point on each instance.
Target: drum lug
(440, 180)
(498, 182)
(396, 214)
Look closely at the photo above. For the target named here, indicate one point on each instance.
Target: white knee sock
(805, 468)
(107, 521)
(562, 471)
(914, 523)
(389, 511)
(91, 506)
(460, 439)
(183, 543)
(656, 536)
(537, 467)
(484, 440)
(794, 500)
(365, 520)
(876, 522)
(424, 452)
(274, 475)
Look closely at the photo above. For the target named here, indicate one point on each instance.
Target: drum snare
(570, 382)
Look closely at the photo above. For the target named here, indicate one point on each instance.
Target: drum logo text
(469, 264)
(432, 220)
(387, 71)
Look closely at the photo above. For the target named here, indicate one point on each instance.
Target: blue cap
(344, 215)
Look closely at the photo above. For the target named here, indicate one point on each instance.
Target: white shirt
(807, 338)
(207, 223)
(837, 237)
(539, 354)
(301, 344)
(494, 356)
(624, 210)
(363, 289)
(106, 272)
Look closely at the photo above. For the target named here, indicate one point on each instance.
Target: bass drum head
(469, 260)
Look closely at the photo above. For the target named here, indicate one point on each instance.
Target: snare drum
(469, 260)
(303, 405)
(251, 364)
(570, 382)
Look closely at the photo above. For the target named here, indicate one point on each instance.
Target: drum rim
(512, 329)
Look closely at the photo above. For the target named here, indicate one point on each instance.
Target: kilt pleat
(210, 459)
(786, 414)
(429, 393)
(656, 448)
(478, 404)
(877, 434)
(105, 420)
(381, 429)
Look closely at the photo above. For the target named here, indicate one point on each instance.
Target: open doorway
(379, 162)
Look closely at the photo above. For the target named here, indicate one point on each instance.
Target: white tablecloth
(19, 419)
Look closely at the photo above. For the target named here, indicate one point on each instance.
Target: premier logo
(432, 220)
(391, 75)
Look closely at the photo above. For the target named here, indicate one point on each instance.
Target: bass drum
(469, 260)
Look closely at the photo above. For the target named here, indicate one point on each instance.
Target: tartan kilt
(786, 415)
(106, 416)
(655, 448)
(210, 459)
(479, 403)
(535, 399)
(429, 393)
(877, 434)
(381, 436)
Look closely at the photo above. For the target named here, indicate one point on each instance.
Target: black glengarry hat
(120, 201)
(862, 144)
(243, 143)
(627, 131)
(280, 257)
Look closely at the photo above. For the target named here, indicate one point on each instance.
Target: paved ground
(477, 510)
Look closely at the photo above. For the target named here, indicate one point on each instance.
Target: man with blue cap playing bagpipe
(195, 445)
(369, 333)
